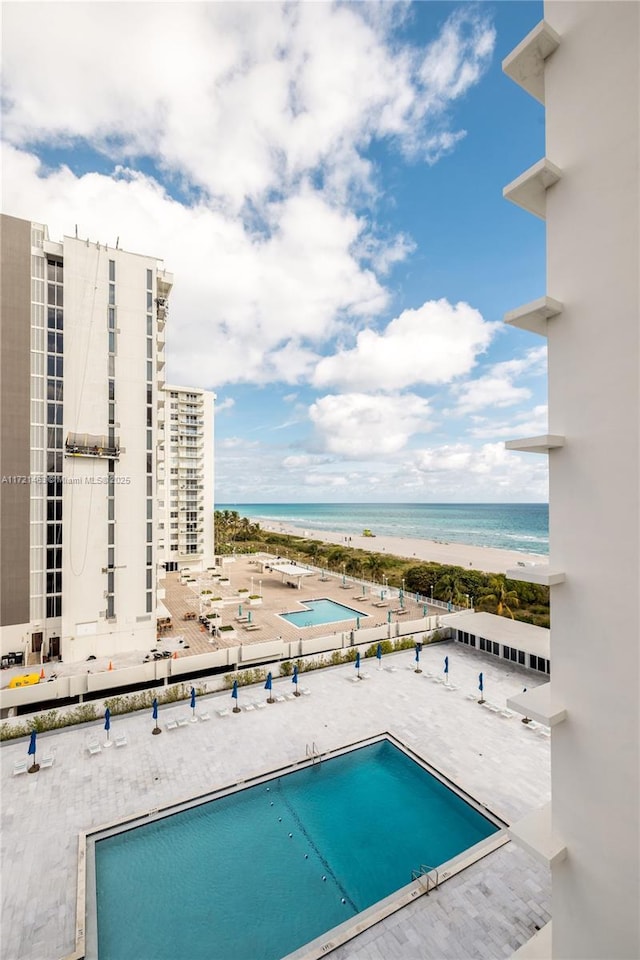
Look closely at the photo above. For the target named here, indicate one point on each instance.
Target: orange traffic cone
(175, 654)
(42, 674)
(110, 665)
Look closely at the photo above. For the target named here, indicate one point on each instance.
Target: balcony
(538, 704)
(525, 64)
(540, 444)
(534, 316)
(92, 445)
(540, 573)
(535, 834)
(529, 190)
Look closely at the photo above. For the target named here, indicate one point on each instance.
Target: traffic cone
(42, 674)
(175, 654)
(110, 665)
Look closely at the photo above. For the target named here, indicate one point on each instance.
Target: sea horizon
(522, 527)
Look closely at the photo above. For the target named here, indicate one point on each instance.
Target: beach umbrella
(449, 606)
(357, 664)
(481, 687)
(234, 694)
(294, 679)
(357, 623)
(417, 658)
(364, 590)
(107, 723)
(525, 719)
(446, 669)
(344, 580)
(424, 610)
(268, 686)
(388, 616)
(154, 714)
(379, 655)
(193, 705)
(31, 752)
(249, 617)
(239, 609)
(402, 602)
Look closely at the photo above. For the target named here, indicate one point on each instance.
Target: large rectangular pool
(258, 873)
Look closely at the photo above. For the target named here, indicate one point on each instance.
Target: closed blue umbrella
(193, 704)
(357, 623)
(449, 606)
(234, 694)
(388, 616)
(481, 687)
(417, 658)
(357, 664)
(268, 686)
(249, 617)
(379, 655)
(446, 667)
(239, 609)
(107, 722)
(154, 714)
(294, 679)
(424, 610)
(31, 752)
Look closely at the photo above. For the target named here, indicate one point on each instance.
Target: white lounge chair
(280, 698)
(305, 692)
(93, 747)
(182, 721)
(223, 713)
(46, 761)
(204, 716)
(120, 740)
(261, 705)
(171, 724)
(19, 766)
(249, 707)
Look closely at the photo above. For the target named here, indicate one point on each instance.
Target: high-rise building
(583, 63)
(82, 364)
(185, 478)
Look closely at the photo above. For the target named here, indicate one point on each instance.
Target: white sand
(488, 559)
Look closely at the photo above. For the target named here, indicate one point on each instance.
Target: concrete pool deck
(485, 912)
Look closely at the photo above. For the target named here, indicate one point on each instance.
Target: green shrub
(286, 668)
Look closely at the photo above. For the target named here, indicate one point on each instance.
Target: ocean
(507, 526)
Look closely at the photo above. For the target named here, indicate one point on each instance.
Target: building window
(112, 270)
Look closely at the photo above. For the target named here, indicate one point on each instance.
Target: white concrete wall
(592, 110)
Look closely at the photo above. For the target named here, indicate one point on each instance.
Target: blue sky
(325, 182)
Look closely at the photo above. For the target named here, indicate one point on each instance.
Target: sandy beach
(488, 559)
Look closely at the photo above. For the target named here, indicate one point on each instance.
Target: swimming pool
(258, 873)
(321, 611)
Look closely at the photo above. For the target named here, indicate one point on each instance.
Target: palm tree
(449, 587)
(503, 598)
(375, 565)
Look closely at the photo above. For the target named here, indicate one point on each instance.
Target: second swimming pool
(321, 611)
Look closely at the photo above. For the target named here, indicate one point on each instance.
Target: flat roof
(291, 570)
(504, 630)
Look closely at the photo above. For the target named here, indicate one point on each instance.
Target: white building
(185, 480)
(583, 63)
(82, 382)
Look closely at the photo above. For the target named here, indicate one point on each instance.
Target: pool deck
(487, 911)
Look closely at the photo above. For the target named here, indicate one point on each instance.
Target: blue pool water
(317, 612)
(257, 874)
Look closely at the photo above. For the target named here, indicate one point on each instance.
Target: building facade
(583, 63)
(185, 478)
(82, 382)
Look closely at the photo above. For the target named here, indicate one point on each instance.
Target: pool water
(258, 873)
(317, 612)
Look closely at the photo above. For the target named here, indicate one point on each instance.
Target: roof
(504, 630)
(291, 570)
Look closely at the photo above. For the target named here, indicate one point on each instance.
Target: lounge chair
(46, 761)
(382, 603)
(93, 747)
(280, 698)
(120, 740)
(182, 721)
(204, 716)
(19, 766)
(253, 626)
(260, 705)
(248, 707)
(171, 724)
(223, 713)
(305, 692)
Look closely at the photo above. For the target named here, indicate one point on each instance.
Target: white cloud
(530, 423)
(365, 426)
(433, 344)
(225, 404)
(489, 472)
(496, 388)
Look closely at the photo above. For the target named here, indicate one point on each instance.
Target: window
(112, 270)
(112, 294)
(149, 279)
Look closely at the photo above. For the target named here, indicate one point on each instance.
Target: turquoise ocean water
(507, 526)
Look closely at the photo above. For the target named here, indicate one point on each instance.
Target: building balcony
(540, 573)
(92, 445)
(534, 316)
(540, 444)
(525, 64)
(538, 704)
(529, 190)
(535, 834)
(160, 361)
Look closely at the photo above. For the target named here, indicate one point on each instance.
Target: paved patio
(485, 912)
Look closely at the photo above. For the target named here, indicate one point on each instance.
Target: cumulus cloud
(431, 345)
(496, 388)
(225, 404)
(528, 423)
(363, 426)
(460, 470)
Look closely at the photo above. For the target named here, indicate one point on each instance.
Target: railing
(424, 875)
(312, 751)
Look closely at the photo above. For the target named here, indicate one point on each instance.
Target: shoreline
(486, 559)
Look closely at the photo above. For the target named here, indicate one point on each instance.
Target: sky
(324, 180)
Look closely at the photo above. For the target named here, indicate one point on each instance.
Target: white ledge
(542, 444)
(533, 833)
(529, 190)
(534, 316)
(525, 64)
(538, 947)
(538, 704)
(536, 573)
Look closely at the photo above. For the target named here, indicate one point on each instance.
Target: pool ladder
(424, 875)
(313, 752)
